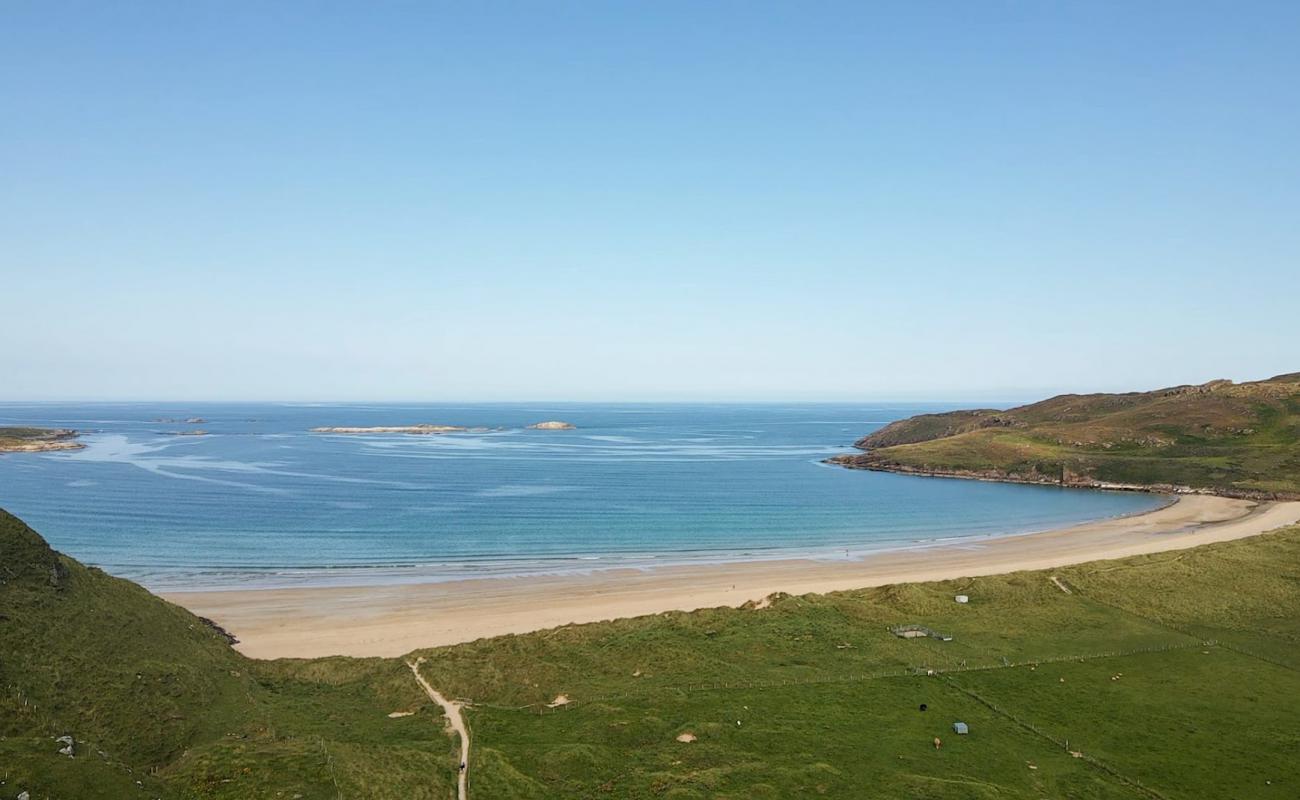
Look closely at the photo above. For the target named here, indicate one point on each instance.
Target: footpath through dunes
(455, 721)
(393, 620)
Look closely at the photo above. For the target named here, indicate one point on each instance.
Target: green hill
(1234, 439)
(160, 705)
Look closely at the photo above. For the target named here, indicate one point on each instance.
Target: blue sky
(645, 201)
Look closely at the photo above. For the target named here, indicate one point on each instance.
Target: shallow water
(260, 501)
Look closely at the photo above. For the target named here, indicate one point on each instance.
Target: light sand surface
(393, 620)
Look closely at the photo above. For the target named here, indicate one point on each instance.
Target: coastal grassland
(854, 739)
(1173, 722)
(1170, 675)
(321, 729)
(1241, 594)
(1236, 439)
(828, 699)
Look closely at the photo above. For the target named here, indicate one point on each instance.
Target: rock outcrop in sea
(416, 429)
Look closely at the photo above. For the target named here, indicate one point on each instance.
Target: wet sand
(393, 620)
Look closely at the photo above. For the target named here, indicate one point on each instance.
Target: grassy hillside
(1235, 439)
(1171, 676)
(161, 706)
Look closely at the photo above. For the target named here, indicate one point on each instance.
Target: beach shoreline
(561, 565)
(395, 619)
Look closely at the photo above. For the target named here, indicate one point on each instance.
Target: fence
(903, 672)
(1064, 744)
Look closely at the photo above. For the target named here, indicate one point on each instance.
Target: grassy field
(828, 701)
(1238, 439)
(1170, 676)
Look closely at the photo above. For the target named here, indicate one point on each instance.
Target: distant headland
(36, 440)
(1223, 438)
(553, 425)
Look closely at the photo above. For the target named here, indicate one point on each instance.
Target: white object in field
(960, 728)
(961, 598)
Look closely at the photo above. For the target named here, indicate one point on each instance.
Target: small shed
(960, 728)
(961, 598)
(917, 632)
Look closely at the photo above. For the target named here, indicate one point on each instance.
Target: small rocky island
(552, 425)
(415, 429)
(36, 440)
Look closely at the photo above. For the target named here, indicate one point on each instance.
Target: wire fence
(947, 674)
(1062, 743)
(854, 677)
(1175, 628)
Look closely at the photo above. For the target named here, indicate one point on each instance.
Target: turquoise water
(263, 502)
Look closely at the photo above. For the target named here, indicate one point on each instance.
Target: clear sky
(645, 200)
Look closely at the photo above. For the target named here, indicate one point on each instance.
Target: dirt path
(454, 719)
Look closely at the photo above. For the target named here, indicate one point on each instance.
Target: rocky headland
(1222, 438)
(37, 440)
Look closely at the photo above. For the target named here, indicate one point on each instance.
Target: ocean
(262, 502)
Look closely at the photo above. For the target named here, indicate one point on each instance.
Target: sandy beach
(393, 620)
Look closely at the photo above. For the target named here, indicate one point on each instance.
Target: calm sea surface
(260, 501)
